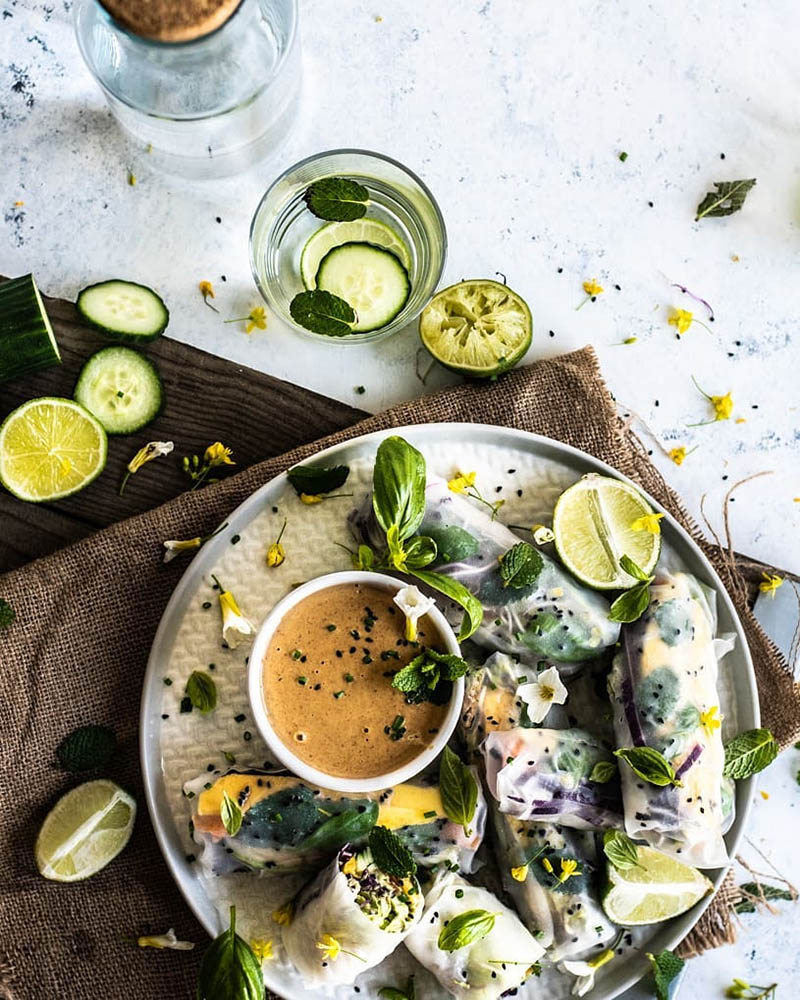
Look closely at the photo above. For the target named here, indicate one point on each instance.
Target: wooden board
(207, 399)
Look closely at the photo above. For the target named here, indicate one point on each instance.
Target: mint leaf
(631, 604)
(520, 566)
(749, 752)
(466, 928)
(230, 813)
(201, 692)
(337, 199)
(649, 764)
(86, 747)
(322, 312)
(421, 678)
(666, 967)
(603, 771)
(313, 481)
(620, 850)
(7, 614)
(634, 570)
(457, 592)
(390, 854)
(765, 891)
(727, 199)
(458, 789)
(349, 825)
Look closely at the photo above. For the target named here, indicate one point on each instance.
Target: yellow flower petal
(206, 290)
(275, 554)
(330, 947)
(648, 522)
(461, 482)
(309, 498)
(218, 454)
(770, 583)
(284, 914)
(592, 287)
(520, 873)
(569, 867)
(711, 720)
(262, 949)
(681, 318)
(256, 318)
(764, 795)
(678, 455)
(723, 406)
(547, 865)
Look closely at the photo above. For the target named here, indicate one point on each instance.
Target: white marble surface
(514, 112)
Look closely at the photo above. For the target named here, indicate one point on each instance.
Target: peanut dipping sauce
(327, 683)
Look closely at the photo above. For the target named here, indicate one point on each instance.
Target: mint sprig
(86, 747)
(650, 765)
(458, 789)
(426, 677)
(390, 854)
(666, 967)
(749, 752)
(322, 312)
(337, 199)
(313, 481)
(632, 604)
(620, 850)
(728, 198)
(520, 566)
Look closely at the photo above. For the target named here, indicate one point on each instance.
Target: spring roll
(283, 819)
(349, 918)
(555, 617)
(486, 968)
(565, 913)
(663, 686)
(549, 775)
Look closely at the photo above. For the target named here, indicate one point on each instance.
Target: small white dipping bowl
(255, 687)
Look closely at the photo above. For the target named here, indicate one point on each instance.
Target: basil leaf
(666, 967)
(391, 993)
(337, 199)
(398, 487)
(7, 614)
(313, 481)
(749, 752)
(322, 312)
(229, 970)
(620, 850)
(390, 854)
(458, 789)
(349, 825)
(520, 566)
(603, 771)
(86, 748)
(632, 569)
(230, 813)
(466, 928)
(765, 891)
(364, 558)
(419, 552)
(201, 691)
(727, 199)
(649, 764)
(457, 592)
(631, 604)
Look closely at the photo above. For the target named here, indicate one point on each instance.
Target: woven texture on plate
(86, 617)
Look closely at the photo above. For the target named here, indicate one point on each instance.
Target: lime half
(49, 448)
(479, 328)
(84, 830)
(592, 522)
(334, 234)
(657, 889)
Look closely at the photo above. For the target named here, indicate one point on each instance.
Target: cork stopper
(171, 20)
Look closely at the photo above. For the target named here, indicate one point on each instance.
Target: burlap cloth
(86, 617)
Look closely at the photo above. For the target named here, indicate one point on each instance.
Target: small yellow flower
(207, 291)
(547, 866)
(770, 583)
(256, 319)
(569, 867)
(276, 553)
(764, 795)
(218, 454)
(330, 947)
(723, 406)
(131, 178)
(592, 288)
(682, 319)
(262, 949)
(309, 498)
(520, 873)
(711, 720)
(18, 204)
(153, 449)
(350, 867)
(461, 482)
(680, 454)
(168, 940)
(284, 914)
(647, 522)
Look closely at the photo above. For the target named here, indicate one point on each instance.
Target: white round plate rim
(166, 832)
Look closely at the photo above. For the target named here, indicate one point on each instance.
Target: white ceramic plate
(176, 747)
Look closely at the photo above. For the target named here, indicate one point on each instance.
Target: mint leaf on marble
(727, 199)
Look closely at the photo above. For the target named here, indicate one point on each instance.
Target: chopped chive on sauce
(397, 729)
(168, 681)
(302, 680)
(229, 756)
(349, 678)
(296, 654)
(623, 156)
(331, 628)
(459, 893)
(338, 694)
(430, 814)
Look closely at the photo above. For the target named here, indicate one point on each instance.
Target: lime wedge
(592, 524)
(479, 328)
(84, 830)
(359, 231)
(50, 448)
(657, 889)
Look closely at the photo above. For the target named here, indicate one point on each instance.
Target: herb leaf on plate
(230, 812)
(458, 789)
(322, 312)
(728, 198)
(390, 854)
(398, 487)
(392, 993)
(229, 970)
(86, 747)
(620, 850)
(749, 752)
(337, 199)
(466, 928)
(457, 592)
(312, 481)
(649, 764)
(201, 692)
(603, 771)
(422, 678)
(520, 566)
(666, 967)
(349, 825)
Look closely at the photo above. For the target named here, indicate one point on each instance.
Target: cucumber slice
(335, 234)
(27, 341)
(124, 311)
(371, 279)
(122, 388)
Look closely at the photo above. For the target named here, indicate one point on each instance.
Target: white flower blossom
(175, 546)
(235, 627)
(414, 604)
(586, 971)
(168, 940)
(540, 694)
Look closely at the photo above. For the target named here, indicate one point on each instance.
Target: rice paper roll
(486, 968)
(565, 913)
(349, 918)
(555, 618)
(290, 825)
(663, 686)
(552, 775)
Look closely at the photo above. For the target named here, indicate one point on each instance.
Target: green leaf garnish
(458, 789)
(631, 605)
(7, 614)
(727, 199)
(230, 813)
(390, 854)
(201, 691)
(337, 199)
(520, 566)
(314, 481)
(666, 966)
(419, 552)
(457, 592)
(428, 676)
(86, 747)
(620, 850)
(349, 825)
(749, 752)
(633, 569)
(364, 558)
(398, 487)
(392, 993)
(322, 312)
(649, 764)
(229, 970)
(762, 891)
(466, 928)
(603, 771)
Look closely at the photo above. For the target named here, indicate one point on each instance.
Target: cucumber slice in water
(479, 328)
(335, 234)
(27, 341)
(124, 311)
(372, 280)
(122, 388)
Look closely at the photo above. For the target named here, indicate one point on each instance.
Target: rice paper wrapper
(485, 969)
(663, 680)
(546, 775)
